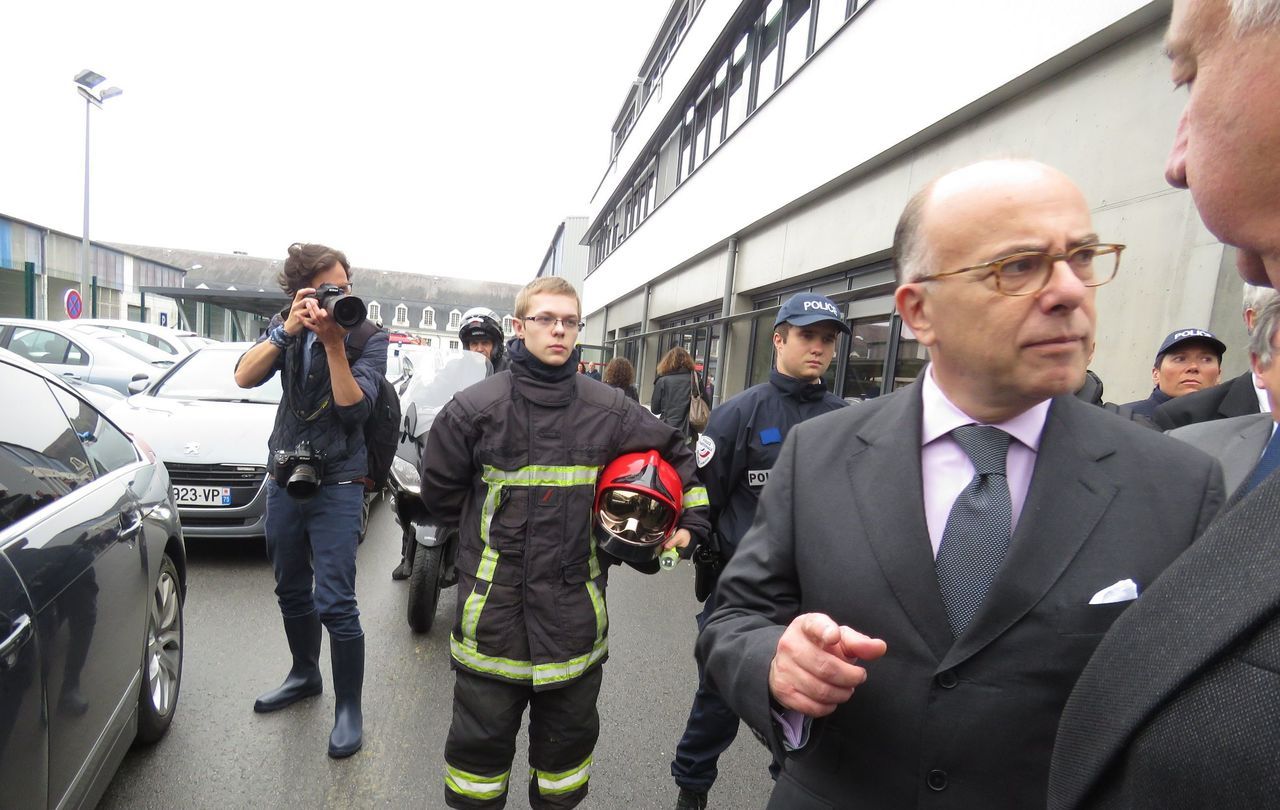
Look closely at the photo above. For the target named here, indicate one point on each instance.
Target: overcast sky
(441, 138)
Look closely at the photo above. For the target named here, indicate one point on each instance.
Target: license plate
(202, 496)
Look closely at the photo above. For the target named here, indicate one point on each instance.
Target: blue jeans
(710, 731)
(312, 546)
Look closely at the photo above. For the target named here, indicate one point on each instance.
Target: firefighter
(514, 462)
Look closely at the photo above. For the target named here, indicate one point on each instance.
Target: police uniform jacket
(513, 461)
(742, 441)
(307, 411)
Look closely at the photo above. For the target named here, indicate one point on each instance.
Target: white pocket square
(1126, 590)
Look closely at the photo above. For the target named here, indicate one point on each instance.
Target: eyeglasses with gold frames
(1029, 272)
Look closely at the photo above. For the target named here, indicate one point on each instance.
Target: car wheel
(424, 587)
(162, 659)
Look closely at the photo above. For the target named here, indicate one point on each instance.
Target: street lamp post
(86, 81)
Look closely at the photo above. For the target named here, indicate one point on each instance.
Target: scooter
(430, 550)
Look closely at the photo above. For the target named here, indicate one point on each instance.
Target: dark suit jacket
(1237, 443)
(1180, 706)
(841, 530)
(1236, 397)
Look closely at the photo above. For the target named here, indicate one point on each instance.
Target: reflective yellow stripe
(695, 496)
(552, 784)
(465, 653)
(536, 476)
(472, 608)
(602, 616)
(593, 562)
(473, 785)
(544, 674)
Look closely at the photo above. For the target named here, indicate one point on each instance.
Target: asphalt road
(220, 754)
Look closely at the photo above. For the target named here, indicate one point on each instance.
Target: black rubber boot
(691, 799)
(348, 682)
(303, 680)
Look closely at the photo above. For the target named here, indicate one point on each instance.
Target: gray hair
(1255, 297)
(1264, 331)
(1247, 15)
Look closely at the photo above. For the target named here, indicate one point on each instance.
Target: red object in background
(401, 337)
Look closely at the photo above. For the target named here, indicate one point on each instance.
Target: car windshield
(134, 348)
(209, 374)
(193, 342)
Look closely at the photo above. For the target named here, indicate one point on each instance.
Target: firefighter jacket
(741, 443)
(513, 462)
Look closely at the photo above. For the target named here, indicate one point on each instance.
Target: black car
(92, 583)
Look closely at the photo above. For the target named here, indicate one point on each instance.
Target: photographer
(317, 467)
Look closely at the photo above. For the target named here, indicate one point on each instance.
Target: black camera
(300, 471)
(347, 310)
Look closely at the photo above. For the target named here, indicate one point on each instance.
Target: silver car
(93, 356)
(212, 436)
(175, 342)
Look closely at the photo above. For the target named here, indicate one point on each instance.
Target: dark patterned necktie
(978, 528)
(1268, 464)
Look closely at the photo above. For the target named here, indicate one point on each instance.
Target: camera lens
(347, 310)
(303, 482)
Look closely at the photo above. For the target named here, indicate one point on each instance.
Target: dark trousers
(710, 730)
(563, 728)
(312, 546)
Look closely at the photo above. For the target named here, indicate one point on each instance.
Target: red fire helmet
(638, 503)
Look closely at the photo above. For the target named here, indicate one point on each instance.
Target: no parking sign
(73, 303)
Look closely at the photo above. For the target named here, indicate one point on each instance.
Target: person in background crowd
(532, 624)
(1178, 707)
(1239, 442)
(1188, 360)
(1236, 397)
(593, 371)
(582, 368)
(929, 570)
(709, 390)
(735, 455)
(312, 540)
(671, 390)
(622, 375)
(481, 332)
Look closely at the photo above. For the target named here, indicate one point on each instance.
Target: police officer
(735, 454)
(1188, 360)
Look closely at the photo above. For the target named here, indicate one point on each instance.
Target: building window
(453, 344)
(428, 319)
(427, 341)
(770, 35)
(455, 319)
(508, 325)
(375, 311)
(402, 315)
(795, 46)
(781, 35)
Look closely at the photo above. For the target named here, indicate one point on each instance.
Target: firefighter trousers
(563, 728)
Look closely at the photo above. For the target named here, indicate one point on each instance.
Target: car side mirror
(138, 386)
(410, 421)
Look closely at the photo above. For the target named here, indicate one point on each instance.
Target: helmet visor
(634, 517)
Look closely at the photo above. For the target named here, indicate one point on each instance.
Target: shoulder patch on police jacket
(705, 450)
